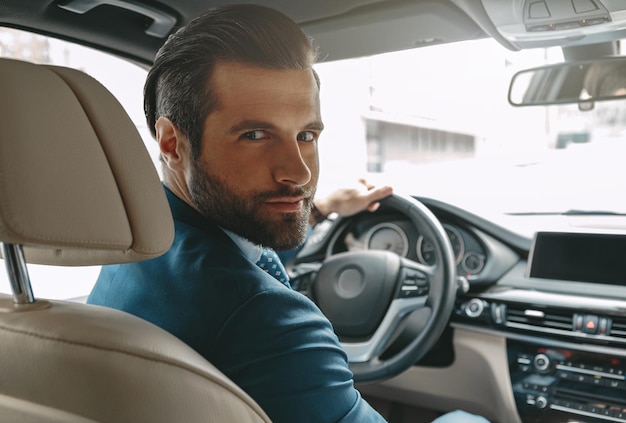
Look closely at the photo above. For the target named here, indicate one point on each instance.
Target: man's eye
(254, 135)
(306, 136)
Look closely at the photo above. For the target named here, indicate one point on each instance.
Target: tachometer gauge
(458, 246)
(426, 249)
(389, 237)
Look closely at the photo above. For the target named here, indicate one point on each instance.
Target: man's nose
(291, 167)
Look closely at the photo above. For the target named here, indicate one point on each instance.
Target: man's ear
(173, 145)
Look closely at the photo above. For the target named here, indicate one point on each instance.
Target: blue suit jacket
(272, 341)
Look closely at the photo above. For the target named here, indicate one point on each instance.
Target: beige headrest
(77, 186)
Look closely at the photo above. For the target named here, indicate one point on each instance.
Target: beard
(241, 212)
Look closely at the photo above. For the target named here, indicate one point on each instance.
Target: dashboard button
(564, 375)
(578, 322)
(598, 381)
(590, 324)
(541, 362)
(583, 379)
(474, 307)
(541, 402)
(603, 326)
(616, 384)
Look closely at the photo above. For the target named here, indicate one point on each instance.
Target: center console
(553, 385)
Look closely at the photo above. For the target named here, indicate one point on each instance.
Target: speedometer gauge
(388, 237)
(426, 249)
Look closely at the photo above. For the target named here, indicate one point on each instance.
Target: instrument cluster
(403, 238)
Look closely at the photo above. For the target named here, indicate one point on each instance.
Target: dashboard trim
(544, 298)
(598, 349)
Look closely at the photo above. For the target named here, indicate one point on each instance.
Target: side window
(125, 80)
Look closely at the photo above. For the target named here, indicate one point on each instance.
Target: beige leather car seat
(77, 187)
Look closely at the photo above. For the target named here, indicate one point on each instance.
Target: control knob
(474, 307)
(541, 402)
(542, 363)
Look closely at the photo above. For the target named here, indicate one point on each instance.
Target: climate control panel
(561, 385)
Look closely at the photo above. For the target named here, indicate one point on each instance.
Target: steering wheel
(368, 296)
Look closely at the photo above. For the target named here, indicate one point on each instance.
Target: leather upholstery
(76, 183)
(77, 187)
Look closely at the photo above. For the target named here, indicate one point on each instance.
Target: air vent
(618, 327)
(542, 319)
(562, 322)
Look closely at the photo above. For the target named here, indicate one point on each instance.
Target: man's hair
(177, 85)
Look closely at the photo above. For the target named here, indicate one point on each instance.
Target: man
(233, 102)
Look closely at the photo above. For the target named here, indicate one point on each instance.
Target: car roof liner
(107, 24)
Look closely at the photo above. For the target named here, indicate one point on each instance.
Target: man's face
(258, 167)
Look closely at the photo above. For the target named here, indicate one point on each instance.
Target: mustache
(285, 191)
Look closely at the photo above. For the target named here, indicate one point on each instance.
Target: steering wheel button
(414, 277)
(409, 291)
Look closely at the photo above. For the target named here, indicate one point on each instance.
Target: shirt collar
(250, 250)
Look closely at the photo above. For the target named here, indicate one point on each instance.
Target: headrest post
(17, 273)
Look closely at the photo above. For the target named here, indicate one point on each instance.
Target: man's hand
(349, 201)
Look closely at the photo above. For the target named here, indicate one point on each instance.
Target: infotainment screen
(584, 257)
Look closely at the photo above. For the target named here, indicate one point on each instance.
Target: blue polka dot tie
(270, 263)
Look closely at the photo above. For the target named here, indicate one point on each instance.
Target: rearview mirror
(582, 82)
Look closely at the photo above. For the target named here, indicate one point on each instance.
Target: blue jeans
(460, 417)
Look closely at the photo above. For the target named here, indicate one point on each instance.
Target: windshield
(435, 122)
(432, 122)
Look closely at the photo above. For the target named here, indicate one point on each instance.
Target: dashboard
(562, 310)
(562, 335)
